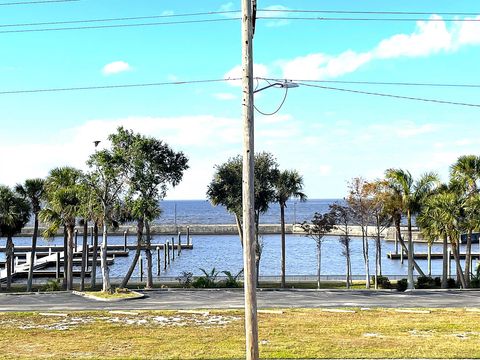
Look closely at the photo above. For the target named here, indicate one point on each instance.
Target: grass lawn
(299, 333)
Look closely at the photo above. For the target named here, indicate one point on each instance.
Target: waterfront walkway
(233, 299)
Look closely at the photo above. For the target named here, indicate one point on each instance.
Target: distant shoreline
(230, 229)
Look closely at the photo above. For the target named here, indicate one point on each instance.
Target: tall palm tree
(33, 191)
(289, 184)
(14, 214)
(63, 195)
(433, 227)
(413, 193)
(466, 173)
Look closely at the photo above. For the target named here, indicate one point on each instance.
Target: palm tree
(413, 194)
(63, 195)
(14, 214)
(289, 184)
(33, 191)
(466, 172)
(432, 228)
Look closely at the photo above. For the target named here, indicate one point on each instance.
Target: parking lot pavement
(228, 299)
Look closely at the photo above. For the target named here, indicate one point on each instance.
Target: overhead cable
(391, 95)
(36, 2)
(118, 86)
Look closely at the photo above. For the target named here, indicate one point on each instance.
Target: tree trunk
(468, 258)
(458, 264)
(282, 230)
(239, 228)
(258, 250)
(138, 251)
(32, 257)
(148, 255)
(404, 247)
(106, 287)
(319, 262)
(9, 259)
(69, 262)
(65, 257)
(93, 279)
(411, 284)
(365, 256)
(445, 263)
(84, 254)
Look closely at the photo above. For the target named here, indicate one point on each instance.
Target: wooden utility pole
(251, 323)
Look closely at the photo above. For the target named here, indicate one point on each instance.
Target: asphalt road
(231, 299)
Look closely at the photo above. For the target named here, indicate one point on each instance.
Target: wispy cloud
(116, 67)
(224, 96)
(275, 11)
(430, 37)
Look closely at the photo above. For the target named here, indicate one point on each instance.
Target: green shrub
(425, 282)
(438, 281)
(383, 282)
(207, 280)
(52, 285)
(451, 283)
(402, 284)
(232, 281)
(185, 279)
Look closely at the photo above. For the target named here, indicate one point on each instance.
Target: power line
(362, 19)
(119, 86)
(118, 26)
(371, 12)
(36, 2)
(377, 83)
(392, 95)
(118, 19)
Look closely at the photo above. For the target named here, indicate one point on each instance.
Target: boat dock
(424, 256)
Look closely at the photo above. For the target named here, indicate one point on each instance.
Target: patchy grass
(112, 296)
(299, 333)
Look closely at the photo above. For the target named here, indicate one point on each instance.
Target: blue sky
(329, 136)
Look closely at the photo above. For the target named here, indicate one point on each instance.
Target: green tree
(226, 189)
(360, 202)
(63, 203)
(33, 191)
(466, 173)
(343, 217)
(289, 184)
(151, 167)
(441, 216)
(413, 194)
(106, 180)
(319, 226)
(14, 215)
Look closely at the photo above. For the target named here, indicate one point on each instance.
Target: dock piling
(168, 253)
(158, 260)
(57, 273)
(125, 233)
(140, 264)
(173, 248)
(179, 243)
(165, 256)
(188, 236)
(76, 238)
(429, 259)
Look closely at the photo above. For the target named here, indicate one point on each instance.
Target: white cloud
(411, 129)
(259, 70)
(430, 37)
(468, 32)
(168, 13)
(224, 96)
(279, 11)
(116, 67)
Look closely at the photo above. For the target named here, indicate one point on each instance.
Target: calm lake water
(225, 253)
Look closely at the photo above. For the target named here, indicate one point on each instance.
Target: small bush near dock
(402, 284)
(425, 282)
(383, 282)
(52, 285)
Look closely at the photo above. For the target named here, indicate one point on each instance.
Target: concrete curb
(92, 297)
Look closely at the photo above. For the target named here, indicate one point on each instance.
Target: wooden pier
(424, 256)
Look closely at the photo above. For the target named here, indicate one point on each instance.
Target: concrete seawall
(388, 234)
